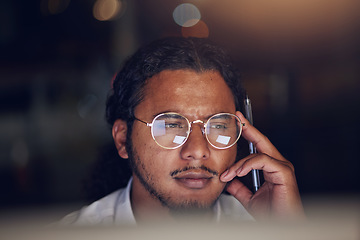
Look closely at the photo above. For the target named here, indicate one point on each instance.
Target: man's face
(186, 177)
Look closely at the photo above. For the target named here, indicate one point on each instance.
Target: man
(175, 111)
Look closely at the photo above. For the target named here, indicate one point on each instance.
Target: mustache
(187, 168)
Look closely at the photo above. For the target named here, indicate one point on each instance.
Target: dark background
(299, 61)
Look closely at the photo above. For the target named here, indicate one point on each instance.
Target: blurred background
(300, 63)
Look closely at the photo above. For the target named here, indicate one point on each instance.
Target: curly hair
(197, 54)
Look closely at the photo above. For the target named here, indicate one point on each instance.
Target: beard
(177, 207)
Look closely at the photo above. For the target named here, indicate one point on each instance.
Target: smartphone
(252, 149)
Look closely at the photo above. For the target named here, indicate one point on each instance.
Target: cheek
(140, 137)
(140, 141)
(226, 158)
(152, 156)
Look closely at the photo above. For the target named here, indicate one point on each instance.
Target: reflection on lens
(179, 140)
(223, 130)
(223, 140)
(170, 130)
(159, 128)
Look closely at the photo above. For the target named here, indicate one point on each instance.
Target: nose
(196, 147)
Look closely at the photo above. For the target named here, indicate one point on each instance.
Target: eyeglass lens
(171, 130)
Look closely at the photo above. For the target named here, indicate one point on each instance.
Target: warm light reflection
(199, 30)
(54, 6)
(105, 10)
(186, 15)
(296, 23)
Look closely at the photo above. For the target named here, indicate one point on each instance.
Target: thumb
(237, 189)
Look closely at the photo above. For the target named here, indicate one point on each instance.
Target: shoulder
(100, 212)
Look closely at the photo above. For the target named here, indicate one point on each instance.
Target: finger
(234, 170)
(261, 142)
(237, 189)
(275, 171)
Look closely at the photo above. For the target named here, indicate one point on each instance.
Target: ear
(119, 131)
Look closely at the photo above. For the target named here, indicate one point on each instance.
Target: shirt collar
(123, 211)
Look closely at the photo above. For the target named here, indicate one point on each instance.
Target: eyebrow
(168, 112)
(176, 116)
(222, 116)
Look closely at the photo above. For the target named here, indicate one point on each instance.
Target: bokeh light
(54, 6)
(186, 15)
(105, 10)
(199, 30)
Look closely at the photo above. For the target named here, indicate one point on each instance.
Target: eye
(218, 126)
(173, 125)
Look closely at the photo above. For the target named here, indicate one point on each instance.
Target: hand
(279, 195)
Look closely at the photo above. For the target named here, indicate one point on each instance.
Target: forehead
(187, 92)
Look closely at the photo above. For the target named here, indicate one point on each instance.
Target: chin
(198, 200)
(191, 205)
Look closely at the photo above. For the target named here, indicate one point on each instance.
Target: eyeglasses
(171, 130)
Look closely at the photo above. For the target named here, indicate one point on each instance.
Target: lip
(194, 180)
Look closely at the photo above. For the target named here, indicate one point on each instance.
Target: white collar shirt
(115, 209)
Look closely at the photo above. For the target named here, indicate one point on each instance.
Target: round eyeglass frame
(190, 129)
